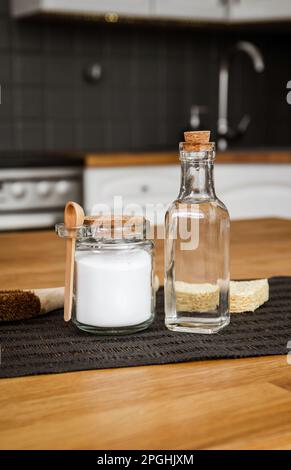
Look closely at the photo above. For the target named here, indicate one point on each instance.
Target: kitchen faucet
(224, 131)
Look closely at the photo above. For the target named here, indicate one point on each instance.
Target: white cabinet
(249, 191)
(136, 8)
(171, 9)
(191, 9)
(224, 11)
(254, 191)
(124, 7)
(143, 190)
(259, 10)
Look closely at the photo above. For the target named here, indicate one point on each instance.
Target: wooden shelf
(172, 158)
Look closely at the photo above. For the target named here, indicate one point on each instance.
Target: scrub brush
(24, 304)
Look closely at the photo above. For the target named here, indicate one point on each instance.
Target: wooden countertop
(225, 404)
(172, 158)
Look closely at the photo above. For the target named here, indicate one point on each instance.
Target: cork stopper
(188, 147)
(197, 141)
(197, 137)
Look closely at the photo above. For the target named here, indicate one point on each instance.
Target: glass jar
(114, 275)
(197, 250)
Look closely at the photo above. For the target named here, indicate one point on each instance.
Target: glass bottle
(197, 249)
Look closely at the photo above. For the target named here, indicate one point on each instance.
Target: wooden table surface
(221, 404)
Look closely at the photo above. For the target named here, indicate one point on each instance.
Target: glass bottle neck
(197, 179)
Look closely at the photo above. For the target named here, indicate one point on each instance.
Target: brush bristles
(18, 305)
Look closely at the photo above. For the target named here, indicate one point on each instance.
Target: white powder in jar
(113, 288)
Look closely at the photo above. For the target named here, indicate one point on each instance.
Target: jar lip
(125, 227)
(197, 152)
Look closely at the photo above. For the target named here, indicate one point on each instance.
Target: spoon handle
(69, 278)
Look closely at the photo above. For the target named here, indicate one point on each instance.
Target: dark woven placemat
(49, 345)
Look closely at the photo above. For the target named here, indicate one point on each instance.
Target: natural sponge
(245, 296)
(196, 297)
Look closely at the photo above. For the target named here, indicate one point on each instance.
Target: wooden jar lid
(126, 227)
(117, 221)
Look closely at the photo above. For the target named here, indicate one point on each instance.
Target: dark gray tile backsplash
(28, 102)
(28, 135)
(27, 69)
(6, 137)
(5, 68)
(59, 135)
(150, 78)
(4, 33)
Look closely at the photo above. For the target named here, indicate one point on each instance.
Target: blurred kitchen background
(95, 96)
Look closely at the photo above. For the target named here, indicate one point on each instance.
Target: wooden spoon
(74, 217)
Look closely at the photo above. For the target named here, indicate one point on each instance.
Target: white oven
(35, 197)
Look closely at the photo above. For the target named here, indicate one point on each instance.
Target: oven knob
(63, 187)
(18, 190)
(44, 188)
